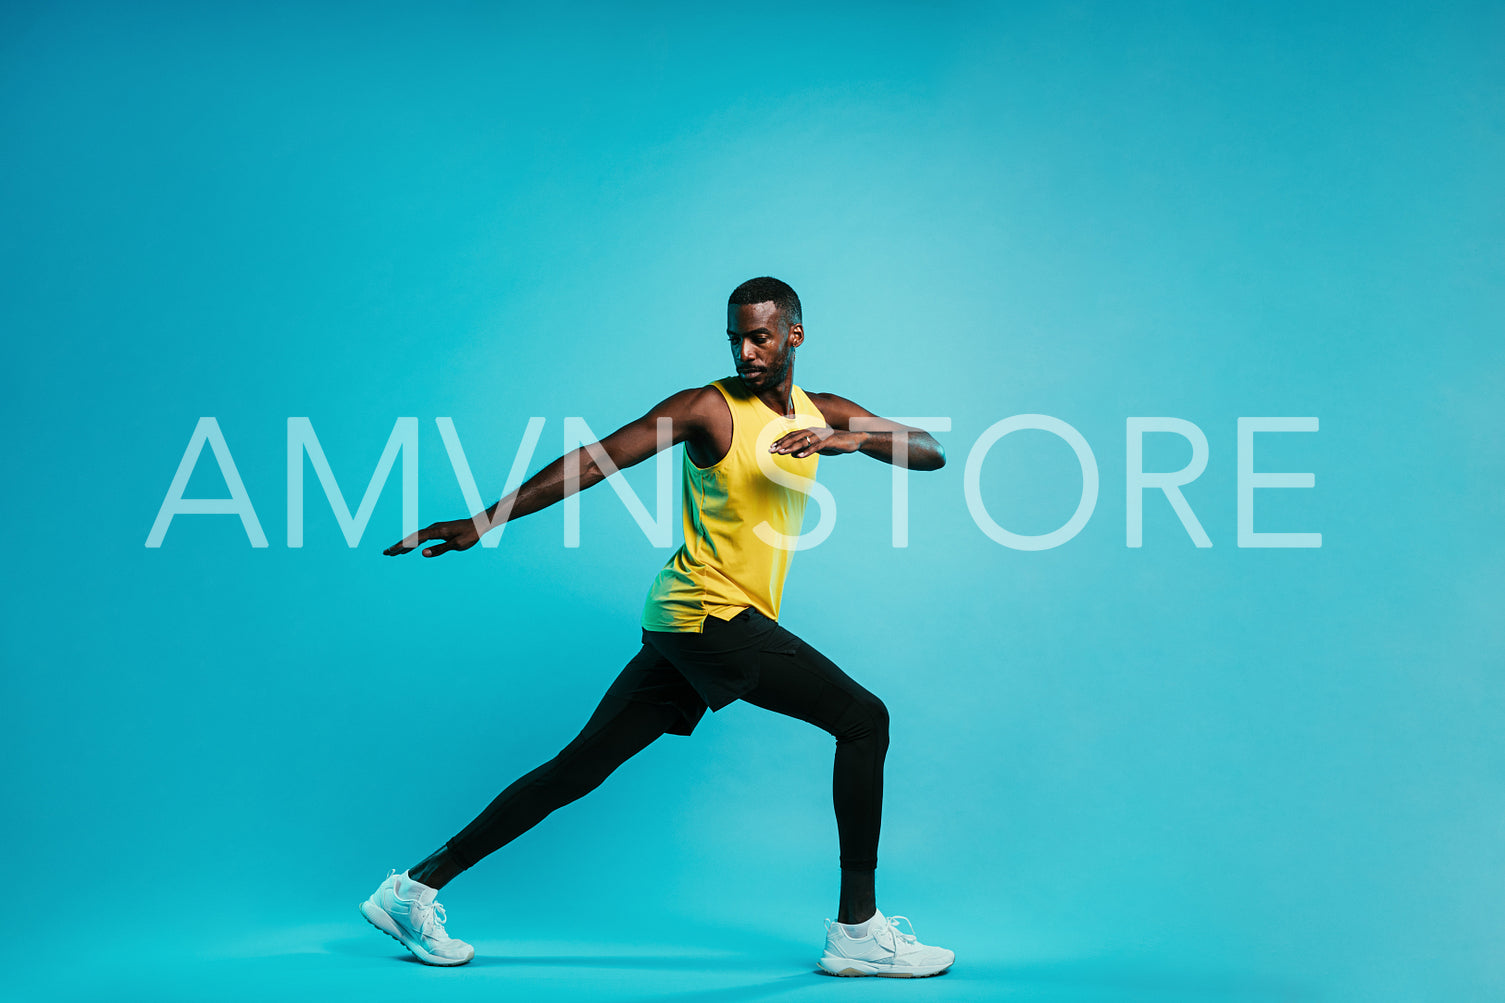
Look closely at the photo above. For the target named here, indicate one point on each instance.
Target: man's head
(763, 327)
(768, 290)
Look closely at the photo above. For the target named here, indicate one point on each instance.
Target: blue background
(1117, 774)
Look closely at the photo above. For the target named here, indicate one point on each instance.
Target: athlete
(710, 625)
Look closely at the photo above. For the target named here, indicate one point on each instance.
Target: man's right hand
(458, 535)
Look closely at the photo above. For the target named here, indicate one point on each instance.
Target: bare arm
(627, 446)
(877, 437)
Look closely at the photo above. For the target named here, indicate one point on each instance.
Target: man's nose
(745, 350)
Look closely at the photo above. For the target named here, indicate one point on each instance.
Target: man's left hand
(804, 442)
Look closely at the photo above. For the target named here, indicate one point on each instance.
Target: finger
(412, 540)
(403, 546)
(809, 444)
(825, 443)
(800, 438)
(438, 549)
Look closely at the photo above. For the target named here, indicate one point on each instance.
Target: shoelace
(430, 920)
(896, 940)
(908, 938)
(433, 923)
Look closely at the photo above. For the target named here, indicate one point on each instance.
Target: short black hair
(767, 289)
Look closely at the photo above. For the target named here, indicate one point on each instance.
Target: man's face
(762, 346)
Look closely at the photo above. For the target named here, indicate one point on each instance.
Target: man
(710, 625)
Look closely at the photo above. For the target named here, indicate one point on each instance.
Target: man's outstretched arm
(877, 437)
(629, 445)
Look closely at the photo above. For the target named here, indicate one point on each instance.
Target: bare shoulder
(694, 408)
(686, 402)
(840, 412)
(837, 409)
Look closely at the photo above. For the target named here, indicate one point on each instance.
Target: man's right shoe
(406, 911)
(886, 951)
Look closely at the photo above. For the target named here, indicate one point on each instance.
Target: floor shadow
(1127, 981)
(738, 994)
(641, 962)
(488, 957)
(1109, 981)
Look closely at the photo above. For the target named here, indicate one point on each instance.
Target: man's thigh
(805, 684)
(652, 680)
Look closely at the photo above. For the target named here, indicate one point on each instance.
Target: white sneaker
(405, 910)
(886, 950)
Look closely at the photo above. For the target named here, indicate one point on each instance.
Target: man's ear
(796, 335)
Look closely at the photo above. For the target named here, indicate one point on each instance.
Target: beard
(773, 375)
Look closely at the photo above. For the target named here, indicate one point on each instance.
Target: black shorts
(692, 672)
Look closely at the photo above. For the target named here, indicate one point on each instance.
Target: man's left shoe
(886, 951)
(408, 912)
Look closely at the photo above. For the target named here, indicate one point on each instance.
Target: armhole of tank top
(732, 416)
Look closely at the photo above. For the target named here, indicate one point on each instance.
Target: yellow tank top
(734, 515)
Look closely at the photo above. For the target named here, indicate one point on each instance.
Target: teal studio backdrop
(1164, 772)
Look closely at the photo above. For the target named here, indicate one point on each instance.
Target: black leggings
(654, 696)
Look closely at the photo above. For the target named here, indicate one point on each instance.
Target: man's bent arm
(875, 437)
(627, 446)
(923, 453)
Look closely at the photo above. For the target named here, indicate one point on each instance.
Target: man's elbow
(937, 457)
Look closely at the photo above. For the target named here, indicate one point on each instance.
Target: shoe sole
(851, 968)
(377, 917)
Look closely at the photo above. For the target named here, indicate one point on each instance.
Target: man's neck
(781, 397)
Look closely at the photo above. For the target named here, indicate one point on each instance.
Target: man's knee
(574, 773)
(867, 720)
(879, 714)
